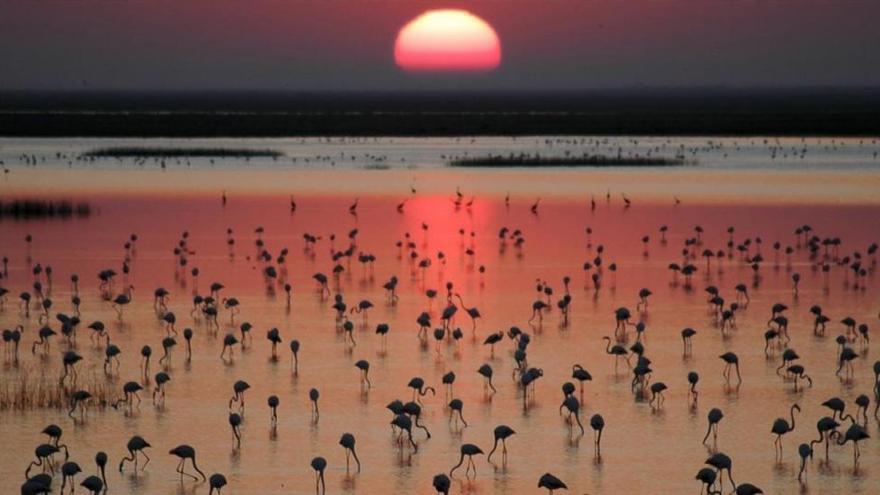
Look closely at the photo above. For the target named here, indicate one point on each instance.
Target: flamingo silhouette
(184, 452)
(855, 434)
(473, 313)
(597, 423)
(216, 481)
(617, 351)
(551, 483)
(44, 454)
(730, 360)
(456, 406)
(722, 462)
(135, 446)
(469, 450)
(805, 451)
(69, 470)
(347, 441)
(404, 423)
(781, 427)
(715, 416)
(442, 484)
(364, 366)
(238, 390)
(419, 389)
(573, 406)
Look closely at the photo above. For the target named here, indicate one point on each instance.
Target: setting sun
(447, 40)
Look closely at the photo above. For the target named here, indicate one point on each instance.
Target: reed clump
(584, 160)
(24, 209)
(31, 389)
(179, 152)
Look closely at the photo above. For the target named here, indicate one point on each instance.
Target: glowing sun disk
(447, 40)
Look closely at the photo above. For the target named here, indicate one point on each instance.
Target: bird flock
(47, 312)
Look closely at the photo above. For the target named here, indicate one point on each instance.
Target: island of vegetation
(24, 209)
(585, 160)
(175, 152)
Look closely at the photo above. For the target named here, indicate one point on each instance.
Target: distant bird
(571, 403)
(469, 450)
(502, 433)
(551, 483)
(135, 446)
(715, 416)
(730, 360)
(235, 423)
(313, 396)
(216, 481)
(238, 390)
(442, 484)
(273, 403)
(722, 462)
(184, 452)
(319, 464)
(747, 489)
(93, 484)
(581, 375)
(364, 366)
(456, 406)
(805, 451)
(486, 371)
(403, 422)
(597, 423)
(781, 427)
(68, 471)
(855, 434)
(707, 477)
(347, 441)
(419, 389)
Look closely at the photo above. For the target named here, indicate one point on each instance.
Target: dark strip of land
(526, 160)
(160, 152)
(699, 112)
(26, 209)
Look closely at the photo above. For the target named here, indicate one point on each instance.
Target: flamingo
(43, 453)
(135, 446)
(617, 351)
(419, 389)
(722, 462)
(781, 427)
(551, 483)
(597, 423)
(347, 442)
(184, 452)
(715, 416)
(473, 313)
(730, 360)
(442, 483)
(469, 450)
(216, 481)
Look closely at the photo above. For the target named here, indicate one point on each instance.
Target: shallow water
(644, 449)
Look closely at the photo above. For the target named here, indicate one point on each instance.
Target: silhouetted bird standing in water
(551, 483)
(319, 464)
(442, 484)
(347, 442)
(502, 433)
(184, 452)
(469, 450)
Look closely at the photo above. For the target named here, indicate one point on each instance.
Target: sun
(447, 40)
